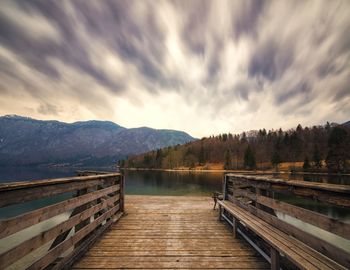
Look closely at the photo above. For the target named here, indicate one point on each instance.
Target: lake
(136, 182)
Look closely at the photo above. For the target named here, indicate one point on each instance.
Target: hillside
(318, 147)
(26, 141)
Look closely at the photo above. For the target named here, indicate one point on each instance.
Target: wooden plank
(65, 245)
(107, 240)
(335, 253)
(40, 192)
(296, 183)
(184, 253)
(234, 246)
(91, 172)
(342, 200)
(177, 232)
(68, 261)
(116, 263)
(324, 222)
(15, 224)
(82, 208)
(328, 193)
(47, 182)
(272, 239)
(178, 259)
(14, 254)
(299, 247)
(60, 238)
(275, 259)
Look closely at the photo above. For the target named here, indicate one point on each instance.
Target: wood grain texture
(172, 232)
(328, 193)
(252, 194)
(322, 221)
(93, 208)
(17, 223)
(300, 254)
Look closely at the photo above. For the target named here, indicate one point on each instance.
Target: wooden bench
(246, 210)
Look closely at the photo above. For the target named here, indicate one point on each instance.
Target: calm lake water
(136, 182)
(162, 183)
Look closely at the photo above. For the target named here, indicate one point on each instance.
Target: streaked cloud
(204, 67)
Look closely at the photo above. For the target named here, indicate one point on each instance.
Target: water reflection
(172, 183)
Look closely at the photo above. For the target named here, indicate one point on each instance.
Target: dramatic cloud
(204, 67)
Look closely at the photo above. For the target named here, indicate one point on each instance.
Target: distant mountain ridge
(347, 124)
(27, 141)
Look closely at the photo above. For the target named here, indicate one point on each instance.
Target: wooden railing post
(122, 193)
(258, 193)
(234, 227)
(224, 192)
(220, 213)
(275, 259)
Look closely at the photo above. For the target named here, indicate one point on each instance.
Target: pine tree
(244, 137)
(159, 157)
(317, 160)
(122, 163)
(338, 149)
(201, 156)
(227, 164)
(275, 159)
(306, 165)
(249, 158)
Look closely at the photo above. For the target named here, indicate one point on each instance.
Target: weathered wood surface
(176, 232)
(299, 253)
(23, 221)
(322, 221)
(295, 183)
(21, 192)
(328, 193)
(93, 206)
(257, 199)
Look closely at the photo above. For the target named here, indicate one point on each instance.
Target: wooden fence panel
(99, 200)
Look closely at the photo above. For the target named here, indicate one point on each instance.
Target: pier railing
(266, 198)
(73, 211)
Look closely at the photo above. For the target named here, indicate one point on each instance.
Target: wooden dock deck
(91, 224)
(170, 232)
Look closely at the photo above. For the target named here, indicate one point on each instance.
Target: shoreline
(255, 172)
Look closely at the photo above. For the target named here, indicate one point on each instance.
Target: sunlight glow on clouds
(204, 67)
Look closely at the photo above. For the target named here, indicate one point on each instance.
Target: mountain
(26, 141)
(347, 124)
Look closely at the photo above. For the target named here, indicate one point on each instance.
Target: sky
(204, 67)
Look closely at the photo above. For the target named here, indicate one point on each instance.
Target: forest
(317, 148)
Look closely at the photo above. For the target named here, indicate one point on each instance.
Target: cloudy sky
(204, 67)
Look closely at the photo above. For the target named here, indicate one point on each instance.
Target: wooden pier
(177, 232)
(87, 222)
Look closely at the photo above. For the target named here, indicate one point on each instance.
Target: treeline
(319, 148)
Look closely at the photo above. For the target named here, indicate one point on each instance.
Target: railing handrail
(91, 172)
(46, 182)
(93, 204)
(257, 196)
(297, 183)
